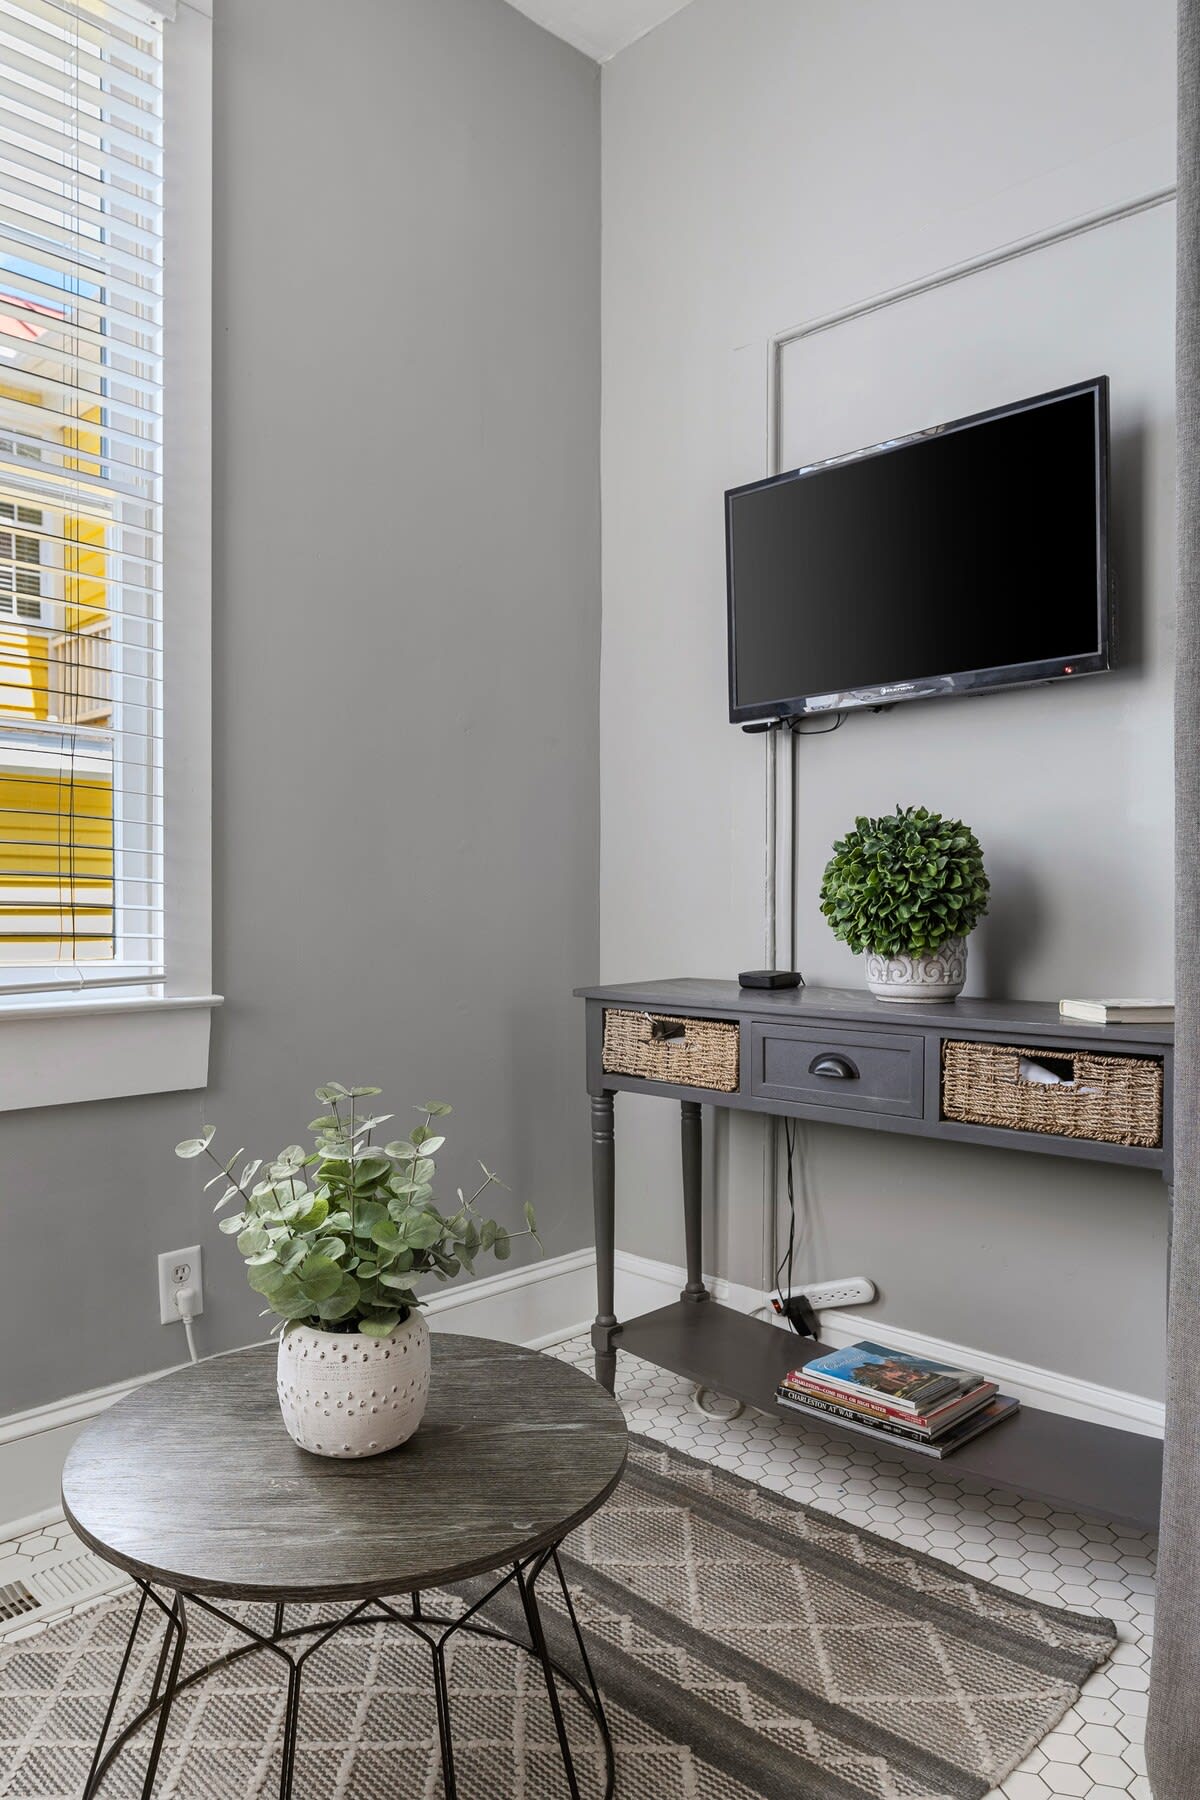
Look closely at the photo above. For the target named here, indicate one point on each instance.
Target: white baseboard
(643, 1284)
(539, 1304)
(1048, 1389)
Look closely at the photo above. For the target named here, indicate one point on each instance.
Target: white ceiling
(599, 27)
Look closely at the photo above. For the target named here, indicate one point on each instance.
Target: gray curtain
(1173, 1728)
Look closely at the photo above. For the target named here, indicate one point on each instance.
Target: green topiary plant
(336, 1237)
(903, 884)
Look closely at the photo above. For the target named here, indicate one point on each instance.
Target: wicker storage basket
(700, 1053)
(1112, 1099)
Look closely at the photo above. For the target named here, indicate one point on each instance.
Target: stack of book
(887, 1394)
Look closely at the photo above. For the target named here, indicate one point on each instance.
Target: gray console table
(788, 1039)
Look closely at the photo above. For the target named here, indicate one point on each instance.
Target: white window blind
(81, 295)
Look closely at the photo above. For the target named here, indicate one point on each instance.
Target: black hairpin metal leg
(537, 1638)
(161, 1698)
(163, 1654)
(118, 1684)
(291, 1720)
(430, 1624)
(179, 1620)
(441, 1694)
(585, 1659)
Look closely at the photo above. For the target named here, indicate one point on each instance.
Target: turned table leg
(690, 1145)
(604, 1205)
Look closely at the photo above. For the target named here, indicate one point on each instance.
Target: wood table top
(193, 1482)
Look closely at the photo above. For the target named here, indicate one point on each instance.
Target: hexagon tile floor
(1094, 1754)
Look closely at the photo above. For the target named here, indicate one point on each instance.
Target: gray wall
(774, 162)
(407, 643)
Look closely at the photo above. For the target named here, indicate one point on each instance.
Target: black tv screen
(967, 557)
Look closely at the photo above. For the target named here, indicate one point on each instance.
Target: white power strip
(824, 1296)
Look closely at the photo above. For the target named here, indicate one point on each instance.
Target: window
(21, 563)
(89, 279)
(81, 292)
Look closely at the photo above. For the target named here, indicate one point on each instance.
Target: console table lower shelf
(1069, 1463)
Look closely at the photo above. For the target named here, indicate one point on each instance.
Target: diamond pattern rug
(748, 1647)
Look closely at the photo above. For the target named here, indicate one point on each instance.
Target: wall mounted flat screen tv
(965, 558)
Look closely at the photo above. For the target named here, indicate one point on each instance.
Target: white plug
(185, 1306)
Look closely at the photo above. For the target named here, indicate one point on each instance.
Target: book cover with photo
(914, 1382)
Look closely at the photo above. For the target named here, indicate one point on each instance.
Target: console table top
(856, 1006)
(192, 1480)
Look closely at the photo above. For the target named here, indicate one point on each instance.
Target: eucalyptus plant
(901, 885)
(336, 1237)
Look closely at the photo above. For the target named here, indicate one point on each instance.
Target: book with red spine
(847, 1413)
(936, 1418)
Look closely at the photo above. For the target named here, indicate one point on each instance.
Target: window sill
(60, 1052)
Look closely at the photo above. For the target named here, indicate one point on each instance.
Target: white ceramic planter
(919, 979)
(343, 1394)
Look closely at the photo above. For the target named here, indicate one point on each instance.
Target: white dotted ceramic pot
(939, 976)
(343, 1394)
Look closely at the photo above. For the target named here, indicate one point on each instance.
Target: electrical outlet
(853, 1290)
(179, 1269)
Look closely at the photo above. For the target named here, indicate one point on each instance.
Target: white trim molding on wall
(540, 1305)
(779, 885)
(781, 771)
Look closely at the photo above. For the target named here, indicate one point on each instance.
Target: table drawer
(861, 1071)
(1105, 1098)
(684, 1052)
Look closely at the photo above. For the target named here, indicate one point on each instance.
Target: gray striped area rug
(746, 1646)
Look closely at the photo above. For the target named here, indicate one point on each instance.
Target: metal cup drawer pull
(835, 1068)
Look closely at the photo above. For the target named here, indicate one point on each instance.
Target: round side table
(193, 1487)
